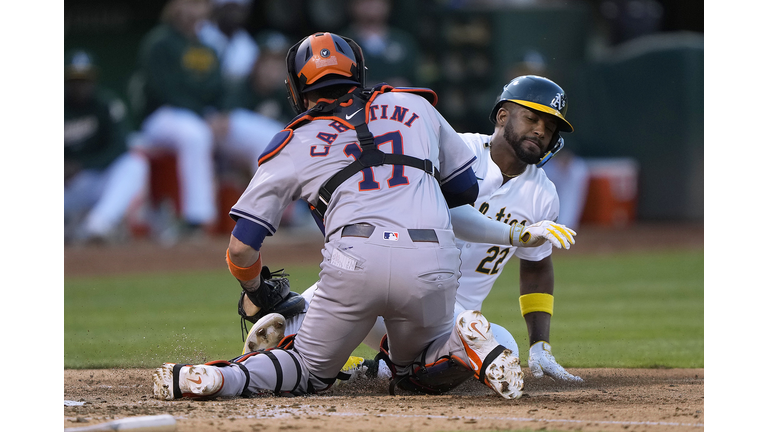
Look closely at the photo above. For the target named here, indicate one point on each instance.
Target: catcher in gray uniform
(380, 168)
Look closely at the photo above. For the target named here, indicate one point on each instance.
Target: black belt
(365, 230)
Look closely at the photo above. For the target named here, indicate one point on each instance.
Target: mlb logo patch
(390, 235)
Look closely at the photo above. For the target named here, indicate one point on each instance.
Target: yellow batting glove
(536, 234)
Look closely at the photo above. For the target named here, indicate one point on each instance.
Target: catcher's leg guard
(439, 377)
(276, 371)
(444, 375)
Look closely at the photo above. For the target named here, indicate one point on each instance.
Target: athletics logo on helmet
(322, 60)
(560, 102)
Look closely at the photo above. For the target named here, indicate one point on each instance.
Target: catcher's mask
(542, 95)
(322, 60)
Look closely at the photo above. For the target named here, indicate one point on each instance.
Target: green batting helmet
(537, 93)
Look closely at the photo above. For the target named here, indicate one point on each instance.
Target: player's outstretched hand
(536, 234)
(542, 362)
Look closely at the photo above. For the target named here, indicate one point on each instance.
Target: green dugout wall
(643, 99)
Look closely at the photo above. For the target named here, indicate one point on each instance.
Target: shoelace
(243, 328)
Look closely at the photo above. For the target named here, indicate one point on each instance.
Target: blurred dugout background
(633, 71)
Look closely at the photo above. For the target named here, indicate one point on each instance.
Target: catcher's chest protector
(352, 111)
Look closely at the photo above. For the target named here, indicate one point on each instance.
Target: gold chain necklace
(509, 176)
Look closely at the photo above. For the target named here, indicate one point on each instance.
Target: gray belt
(365, 230)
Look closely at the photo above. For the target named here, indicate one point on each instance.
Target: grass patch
(634, 310)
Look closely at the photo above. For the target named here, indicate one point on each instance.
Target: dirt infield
(608, 400)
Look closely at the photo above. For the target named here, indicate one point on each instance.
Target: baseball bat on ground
(157, 423)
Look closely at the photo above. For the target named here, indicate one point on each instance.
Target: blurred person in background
(102, 177)
(254, 110)
(225, 32)
(266, 90)
(629, 19)
(570, 174)
(391, 54)
(182, 85)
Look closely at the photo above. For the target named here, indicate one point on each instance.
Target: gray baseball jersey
(383, 196)
(410, 280)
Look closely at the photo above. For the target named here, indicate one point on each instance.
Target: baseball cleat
(174, 381)
(542, 362)
(494, 365)
(266, 333)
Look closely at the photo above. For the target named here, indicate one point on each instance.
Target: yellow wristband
(537, 302)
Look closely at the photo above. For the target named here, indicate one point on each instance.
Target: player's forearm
(537, 276)
(244, 263)
(472, 226)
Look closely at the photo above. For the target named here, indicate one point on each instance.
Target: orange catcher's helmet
(321, 60)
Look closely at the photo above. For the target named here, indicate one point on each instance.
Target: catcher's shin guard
(287, 377)
(439, 377)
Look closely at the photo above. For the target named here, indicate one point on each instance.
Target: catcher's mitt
(274, 295)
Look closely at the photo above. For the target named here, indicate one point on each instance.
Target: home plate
(158, 423)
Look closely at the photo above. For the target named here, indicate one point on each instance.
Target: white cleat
(193, 381)
(266, 333)
(542, 362)
(503, 373)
